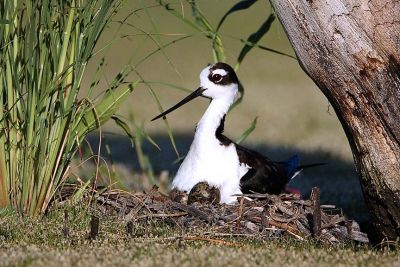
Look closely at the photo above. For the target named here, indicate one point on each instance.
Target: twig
(163, 215)
(94, 227)
(122, 211)
(274, 216)
(139, 206)
(240, 212)
(291, 230)
(201, 238)
(295, 235)
(191, 210)
(65, 229)
(334, 221)
(214, 241)
(315, 197)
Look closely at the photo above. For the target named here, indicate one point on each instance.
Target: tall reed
(45, 46)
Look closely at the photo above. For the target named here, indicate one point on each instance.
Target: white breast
(216, 164)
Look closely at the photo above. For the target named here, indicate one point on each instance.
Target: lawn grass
(28, 242)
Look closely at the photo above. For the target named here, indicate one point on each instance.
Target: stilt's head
(217, 81)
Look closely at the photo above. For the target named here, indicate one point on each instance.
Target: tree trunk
(350, 48)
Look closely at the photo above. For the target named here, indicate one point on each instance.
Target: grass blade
(125, 127)
(254, 38)
(201, 20)
(248, 131)
(102, 111)
(274, 51)
(242, 5)
(167, 126)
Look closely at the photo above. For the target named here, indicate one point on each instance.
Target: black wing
(264, 175)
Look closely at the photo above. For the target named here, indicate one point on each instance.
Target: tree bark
(350, 48)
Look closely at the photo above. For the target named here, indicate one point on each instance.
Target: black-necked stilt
(217, 160)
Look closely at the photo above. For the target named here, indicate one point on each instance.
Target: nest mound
(256, 215)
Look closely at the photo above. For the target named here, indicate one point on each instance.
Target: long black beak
(192, 96)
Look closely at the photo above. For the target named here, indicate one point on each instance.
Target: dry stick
(240, 212)
(295, 213)
(65, 229)
(94, 227)
(139, 206)
(117, 199)
(315, 197)
(264, 221)
(334, 221)
(201, 238)
(229, 234)
(192, 211)
(211, 240)
(122, 211)
(274, 216)
(291, 230)
(107, 201)
(129, 228)
(163, 215)
(349, 229)
(386, 244)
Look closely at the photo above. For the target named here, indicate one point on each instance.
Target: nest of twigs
(256, 215)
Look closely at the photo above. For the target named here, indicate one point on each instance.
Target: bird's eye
(216, 78)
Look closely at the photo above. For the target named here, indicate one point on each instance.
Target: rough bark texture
(351, 49)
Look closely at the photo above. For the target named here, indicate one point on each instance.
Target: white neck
(211, 119)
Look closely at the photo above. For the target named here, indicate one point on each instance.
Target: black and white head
(217, 81)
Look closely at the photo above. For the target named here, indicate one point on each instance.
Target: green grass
(45, 48)
(28, 242)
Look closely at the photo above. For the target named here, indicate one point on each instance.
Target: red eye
(216, 78)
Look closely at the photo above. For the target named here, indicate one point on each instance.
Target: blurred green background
(294, 117)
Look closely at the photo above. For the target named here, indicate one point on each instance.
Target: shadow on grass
(337, 180)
